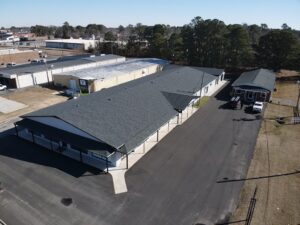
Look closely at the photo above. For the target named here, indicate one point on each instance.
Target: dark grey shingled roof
(260, 78)
(73, 139)
(212, 71)
(59, 63)
(129, 113)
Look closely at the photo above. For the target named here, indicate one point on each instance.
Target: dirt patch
(34, 97)
(288, 75)
(276, 152)
(286, 90)
(19, 57)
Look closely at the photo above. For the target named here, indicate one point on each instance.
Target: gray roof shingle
(129, 113)
(260, 78)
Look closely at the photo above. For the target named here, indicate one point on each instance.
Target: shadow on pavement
(224, 94)
(16, 148)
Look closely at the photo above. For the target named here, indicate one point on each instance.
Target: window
(64, 145)
(216, 81)
(98, 156)
(237, 91)
(250, 95)
(205, 89)
(263, 95)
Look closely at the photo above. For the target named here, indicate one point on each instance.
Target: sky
(113, 13)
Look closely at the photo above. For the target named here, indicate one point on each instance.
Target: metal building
(42, 73)
(97, 78)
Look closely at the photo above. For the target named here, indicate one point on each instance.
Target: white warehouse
(42, 73)
(97, 78)
(81, 44)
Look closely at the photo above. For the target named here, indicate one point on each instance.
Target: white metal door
(72, 84)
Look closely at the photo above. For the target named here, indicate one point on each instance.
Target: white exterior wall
(212, 87)
(71, 44)
(26, 80)
(126, 77)
(87, 158)
(29, 79)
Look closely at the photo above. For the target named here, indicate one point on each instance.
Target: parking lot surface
(175, 183)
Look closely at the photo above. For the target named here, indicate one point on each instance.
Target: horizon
(112, 14)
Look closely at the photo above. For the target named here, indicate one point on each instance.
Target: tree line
(209, 43)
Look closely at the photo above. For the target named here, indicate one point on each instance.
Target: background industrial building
(97, 78)
(82, 44)
(42, 73)
(104, 127)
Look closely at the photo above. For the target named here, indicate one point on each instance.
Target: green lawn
(202, 101)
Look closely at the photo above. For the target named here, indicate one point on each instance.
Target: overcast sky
(113, 13)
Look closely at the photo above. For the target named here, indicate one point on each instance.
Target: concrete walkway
(7, 106)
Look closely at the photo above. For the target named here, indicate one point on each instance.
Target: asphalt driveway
(175, 183)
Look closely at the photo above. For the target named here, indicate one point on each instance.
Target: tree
(94, 29)
(205, 42)
(110, 36)
(79, 31)
(255, 33)
(58, 33)
(175, 47)
(264, 26)
(157, 40)
(239, 50)
(121, 29)
(285, 27)
(187, 34)
(66, 30)
(39, 30)
(279, 49)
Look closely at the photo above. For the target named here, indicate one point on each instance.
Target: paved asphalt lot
(175, 183)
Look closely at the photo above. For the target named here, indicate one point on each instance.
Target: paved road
(175, 183)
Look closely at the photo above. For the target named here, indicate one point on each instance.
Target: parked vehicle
(258, 107)
(11, 64)
(36, 61)
(3, 87)
(235, 102)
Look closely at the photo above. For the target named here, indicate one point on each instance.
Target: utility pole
(297, 105)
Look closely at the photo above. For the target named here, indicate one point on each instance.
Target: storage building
(101, 128)
(81, 44)
(42, 73)
(97, 78)
(255, 85)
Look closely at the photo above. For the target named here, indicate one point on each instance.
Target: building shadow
(249, 110)
(224, 94)
(16, 148)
